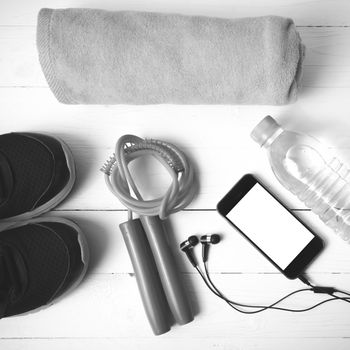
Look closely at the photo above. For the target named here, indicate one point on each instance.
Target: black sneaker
(40, 260)
(36, 173)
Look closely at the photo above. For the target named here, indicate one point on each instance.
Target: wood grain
(221, 154)
(105, 311)
(304, 12)
(196, 343)
(233, 255)
(108, 306)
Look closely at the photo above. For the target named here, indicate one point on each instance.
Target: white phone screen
(270, 226)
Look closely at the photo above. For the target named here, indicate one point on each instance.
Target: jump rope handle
(167, 269)
(147, 277)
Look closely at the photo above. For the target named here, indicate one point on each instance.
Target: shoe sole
(54, 201)
(85, 256)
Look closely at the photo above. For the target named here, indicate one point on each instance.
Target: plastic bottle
(307, 168)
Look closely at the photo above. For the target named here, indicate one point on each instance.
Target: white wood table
(105, 311)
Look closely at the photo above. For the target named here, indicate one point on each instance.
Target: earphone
(206, 240)
(187, 247)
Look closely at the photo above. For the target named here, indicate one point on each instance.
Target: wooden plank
(233, 255)
(326, 63)
(161, 343)
(105, 311)
(221, 155)
(108, 306)
(91, 132)
(317, 13)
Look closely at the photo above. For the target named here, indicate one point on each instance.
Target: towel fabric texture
(100, 57)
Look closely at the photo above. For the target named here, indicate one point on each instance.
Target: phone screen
(270, 226)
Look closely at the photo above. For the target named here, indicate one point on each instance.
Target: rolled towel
(100, 57)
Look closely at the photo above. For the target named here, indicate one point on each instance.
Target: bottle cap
(264, 130)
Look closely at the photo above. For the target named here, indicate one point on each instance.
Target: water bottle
(308, 169)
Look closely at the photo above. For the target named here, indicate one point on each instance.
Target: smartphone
(270, 227)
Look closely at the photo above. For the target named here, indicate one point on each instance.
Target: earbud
(187, 246)
(206, 240)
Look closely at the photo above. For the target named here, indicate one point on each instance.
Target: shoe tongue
(6, 179)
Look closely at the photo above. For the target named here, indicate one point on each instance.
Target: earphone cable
(326, 290)
(208, 281)
(218, 294)
(262, 307)
(231, 303)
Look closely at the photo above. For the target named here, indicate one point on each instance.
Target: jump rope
(158, 280)
(120, 182)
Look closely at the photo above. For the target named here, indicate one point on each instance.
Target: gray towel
(101, 57)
